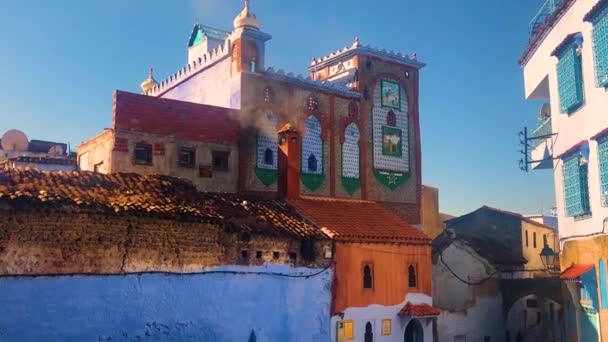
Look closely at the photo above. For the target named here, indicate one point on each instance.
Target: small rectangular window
(526, 238)
(220, 160)
(349, 330)
(258, 255)
(187, 157)
(276, 255)
(534, 239)
(386, 327)
(143, 154)
(545, 240)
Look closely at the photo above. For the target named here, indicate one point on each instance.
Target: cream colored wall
(167, 164)
(531, 253)
(581, 125)
(96, 150)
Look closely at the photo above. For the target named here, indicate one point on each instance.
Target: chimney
(289, 162)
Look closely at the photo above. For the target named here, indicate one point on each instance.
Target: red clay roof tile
(419, 310)
(575, 271)
(357, 220)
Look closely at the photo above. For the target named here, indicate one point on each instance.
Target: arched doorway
(369, 332)
(413, 332)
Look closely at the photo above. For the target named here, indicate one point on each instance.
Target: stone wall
(47, 241)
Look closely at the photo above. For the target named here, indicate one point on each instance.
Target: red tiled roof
(595, 10)
(357, 220)
(575, 271)
(418, 310)
(184, 120)
(151, 195)
(542, 32)
(564, 42)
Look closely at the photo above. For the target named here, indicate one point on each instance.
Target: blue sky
(61, 60)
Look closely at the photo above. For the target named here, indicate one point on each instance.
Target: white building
(566, 64)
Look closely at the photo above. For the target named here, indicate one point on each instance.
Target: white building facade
(566, 64)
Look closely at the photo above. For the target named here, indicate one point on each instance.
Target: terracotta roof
(56, 160)
(418, 310)
(184, 120)
(599, 6)
(357, 220)
(564, 43)
(575, 271)
(151, 195)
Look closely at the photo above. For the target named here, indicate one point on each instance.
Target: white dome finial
(246, 18)
(149, 83)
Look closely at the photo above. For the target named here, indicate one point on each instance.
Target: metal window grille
(600, 49)
(570, 80)
(576, 194)
(603, 163)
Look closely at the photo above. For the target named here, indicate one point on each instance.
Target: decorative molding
(326, 86)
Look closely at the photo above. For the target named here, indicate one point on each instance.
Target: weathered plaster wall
(390, 273)
(97, 150)
(431, 220)
(45, 241)
(531, 250)
(167, 163)
(472, 311)
(212, 306)
(374, 314)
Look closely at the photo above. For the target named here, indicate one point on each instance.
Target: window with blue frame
(602, 156)
(570, 74)
(598, 17)
(576, 192)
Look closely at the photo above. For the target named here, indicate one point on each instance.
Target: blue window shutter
(602, 148)
(570, 80)
(576, 193)
(603, 290)
(600, 48)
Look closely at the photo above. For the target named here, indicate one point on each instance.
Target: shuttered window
(600, 46)
(570, 79)
(576, 193)
(602, 149)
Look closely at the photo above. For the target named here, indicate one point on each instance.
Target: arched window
(268, 157)
(391, 119)
(312, 147)
(367, 277)
(350, 152)
(603, 289)
(411, 276)
(312, 163)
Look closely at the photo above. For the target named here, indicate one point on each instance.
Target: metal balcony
(543, 129)
(543, 14)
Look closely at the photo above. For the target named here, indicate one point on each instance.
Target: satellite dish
(545, 112)
(14, 140)
(56, 150)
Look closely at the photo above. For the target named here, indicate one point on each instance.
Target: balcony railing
(544, 128)
(543, 14)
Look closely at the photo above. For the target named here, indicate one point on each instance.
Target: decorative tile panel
(350, 152)
(267, 140)
(312, 147)
(383, 135)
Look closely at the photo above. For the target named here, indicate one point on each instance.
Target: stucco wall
(97, 150)
(472, 311)
(582, 124)
(167, 162)
(374, 314)
(168, 307)
(214, 86)
(532, 253)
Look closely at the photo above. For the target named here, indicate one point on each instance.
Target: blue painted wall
(200, 307)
